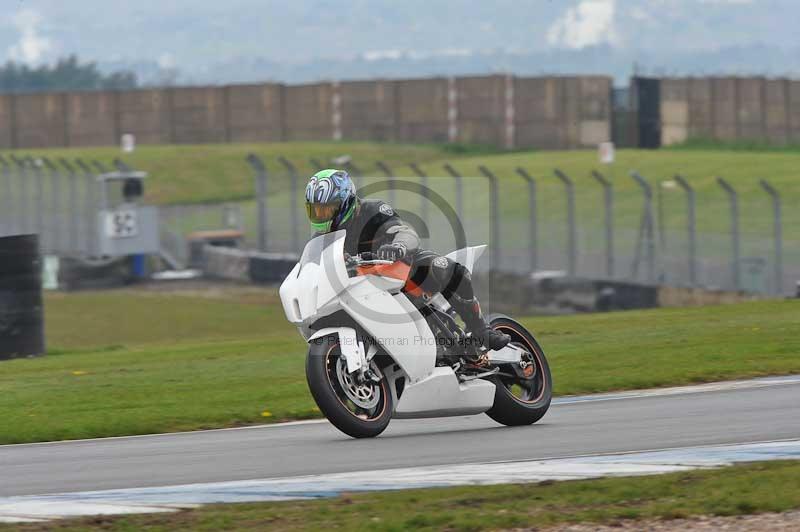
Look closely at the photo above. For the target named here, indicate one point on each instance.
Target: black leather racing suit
(375, 224)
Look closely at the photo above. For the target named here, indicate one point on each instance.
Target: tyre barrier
(555, 292)
(80, 274)
(21, 307)
(246, 266)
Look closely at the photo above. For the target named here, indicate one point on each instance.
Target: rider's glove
(392, 252)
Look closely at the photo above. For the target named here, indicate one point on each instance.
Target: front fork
(356, 354)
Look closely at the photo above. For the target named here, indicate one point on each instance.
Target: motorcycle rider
(373, 226)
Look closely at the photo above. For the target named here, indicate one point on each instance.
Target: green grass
(734, 145)
(731, 491)
(218, 172)
(130, 363)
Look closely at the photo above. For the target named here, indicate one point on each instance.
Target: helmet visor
(322, 212)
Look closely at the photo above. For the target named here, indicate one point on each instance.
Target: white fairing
(319, 285)
(441, 394)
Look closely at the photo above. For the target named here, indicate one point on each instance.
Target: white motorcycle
(381, 348)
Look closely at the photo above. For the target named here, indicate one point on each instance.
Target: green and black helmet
(330, 199)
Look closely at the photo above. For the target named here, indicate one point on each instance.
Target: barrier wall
(793, 126)
(91, 118)
(368, 110)
(538, 118)
(309, 112)
(674, 111)
(481, 110)
(6, 118)
(422, 114)
(255, 113)
(594, 105)
(728, 109)
(198, 115)
(40, 120)
(505, 111)
(145, 114)
(724, 108)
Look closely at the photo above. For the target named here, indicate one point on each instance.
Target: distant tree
(64, 75)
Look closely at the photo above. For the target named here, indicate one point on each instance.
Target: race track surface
(724, 414)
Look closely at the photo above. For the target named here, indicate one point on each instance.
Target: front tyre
(521, 401)
(360, 410)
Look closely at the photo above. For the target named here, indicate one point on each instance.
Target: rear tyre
(359, 410)
(519, 401)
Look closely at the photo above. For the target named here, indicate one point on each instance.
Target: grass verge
(736, 490)
(129, 362)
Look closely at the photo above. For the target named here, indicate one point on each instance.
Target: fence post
(459, 189)
(293, 215)
(120, 165)
(572, 236)
(691, 227)
(91, 207)
(261, 199)
(23, 208)
(608, 201)
(494, 215)
(99, 167)
(56, 200)
(733, 198)
(39, 207)
(646, 229)
(533, 237)
(383, 167)
(423, 177)
(5, 215)
(778, 233)
(73, 203)
(316, 164)
(355, 173)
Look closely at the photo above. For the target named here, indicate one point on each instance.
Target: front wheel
(359, 409)
(521, 400)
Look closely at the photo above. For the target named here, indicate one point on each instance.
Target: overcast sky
(197, 33)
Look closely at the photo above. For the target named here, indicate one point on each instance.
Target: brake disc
(365, 395)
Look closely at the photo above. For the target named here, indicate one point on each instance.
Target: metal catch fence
(632, 228)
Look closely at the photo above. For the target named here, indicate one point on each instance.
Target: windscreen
(315, 246)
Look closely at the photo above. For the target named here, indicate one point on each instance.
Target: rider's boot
(470, 312)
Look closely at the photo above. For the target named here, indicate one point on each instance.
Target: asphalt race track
(748, 411)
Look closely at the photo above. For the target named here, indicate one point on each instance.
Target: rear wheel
(521, 399)
(361, 409)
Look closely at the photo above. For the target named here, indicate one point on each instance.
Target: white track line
(170, 498)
